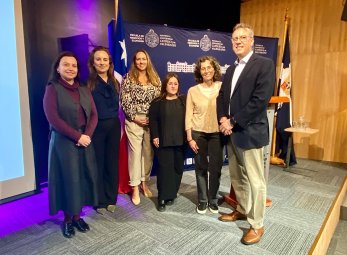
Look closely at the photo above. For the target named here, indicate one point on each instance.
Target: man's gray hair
(245, 26)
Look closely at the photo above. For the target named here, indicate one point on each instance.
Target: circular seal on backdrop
(205, 43)
(152, 39)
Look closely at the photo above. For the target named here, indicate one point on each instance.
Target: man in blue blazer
(241, 106)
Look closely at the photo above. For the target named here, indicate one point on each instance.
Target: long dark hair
(54, 75)
(163, 92)
(93, 75)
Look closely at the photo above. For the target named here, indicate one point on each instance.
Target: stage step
(343, 213)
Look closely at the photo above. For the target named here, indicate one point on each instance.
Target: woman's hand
(194, 146)
(156, 142)
(84, 141)
(141, 121)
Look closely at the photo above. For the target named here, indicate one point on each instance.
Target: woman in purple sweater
(71, 113)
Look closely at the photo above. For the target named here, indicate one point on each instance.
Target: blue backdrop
(174, 49)
(177, 49)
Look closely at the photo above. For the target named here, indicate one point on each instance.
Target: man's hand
(156, 142)
(225, 127)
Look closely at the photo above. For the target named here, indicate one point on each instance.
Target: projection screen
(17, 173)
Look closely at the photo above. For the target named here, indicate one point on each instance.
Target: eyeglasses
(203, 69)
(242, 38)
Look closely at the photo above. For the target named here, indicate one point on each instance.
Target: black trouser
(170, 170)
(106, 143)
(208, 165)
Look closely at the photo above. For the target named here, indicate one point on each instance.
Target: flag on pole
(116, 35)
(118, 50)
(284, 110)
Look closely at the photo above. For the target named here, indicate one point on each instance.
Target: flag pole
(274, 160)
(286, 18)
(115, 10)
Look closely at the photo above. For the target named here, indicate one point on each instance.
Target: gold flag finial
(115, 10)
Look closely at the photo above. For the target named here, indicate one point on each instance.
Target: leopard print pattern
(136, 98)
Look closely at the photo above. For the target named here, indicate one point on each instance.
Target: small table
(307, 131)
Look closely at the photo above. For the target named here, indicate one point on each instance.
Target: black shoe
(67, 229)
(213, 208)
(169, 201)
(161, 206)
(81, 225)
(201, 208)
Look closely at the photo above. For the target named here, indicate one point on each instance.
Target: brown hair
(215, 64)
(163, 92)
(93, 75)
(151, 73)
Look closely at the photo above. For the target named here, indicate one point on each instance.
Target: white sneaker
(213, 208)
(201, 208)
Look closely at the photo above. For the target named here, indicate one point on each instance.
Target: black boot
(161, 205)
(169, 201)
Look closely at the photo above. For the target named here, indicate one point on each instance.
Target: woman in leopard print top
(139, 88)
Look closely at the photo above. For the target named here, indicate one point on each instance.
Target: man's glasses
(242, 38)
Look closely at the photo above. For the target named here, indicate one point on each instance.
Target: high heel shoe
(135, 197)
(146, 191)
(111, 208)
(100, 210)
